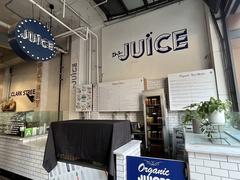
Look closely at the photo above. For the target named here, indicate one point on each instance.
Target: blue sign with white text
(32, 41)
(144, 168)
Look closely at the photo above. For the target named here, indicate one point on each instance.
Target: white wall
(23, 78)
(187, 14)
(217, 56)
(236, 54)
(50, 91)
(233, 22)
(1, 84)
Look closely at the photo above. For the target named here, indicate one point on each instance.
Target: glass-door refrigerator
(156, 135)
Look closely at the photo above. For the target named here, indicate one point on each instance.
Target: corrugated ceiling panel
(133, 4)
(150, 1)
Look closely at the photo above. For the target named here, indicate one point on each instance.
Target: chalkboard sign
(191, 87)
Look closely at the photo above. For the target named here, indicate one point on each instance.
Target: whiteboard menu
(124, 95)
(191, 87)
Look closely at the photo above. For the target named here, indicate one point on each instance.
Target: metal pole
(68, 33)
(76, 13)
(60, 86)
(96, 53)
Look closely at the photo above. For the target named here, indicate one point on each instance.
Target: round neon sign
(32, 41)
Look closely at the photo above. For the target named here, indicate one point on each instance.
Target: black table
(88, 141)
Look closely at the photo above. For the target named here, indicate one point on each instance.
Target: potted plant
(192, 116)
(217, 109)
(205, 114)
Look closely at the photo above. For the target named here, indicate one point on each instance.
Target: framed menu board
(84, 98)
(122, 95)
(191, 87)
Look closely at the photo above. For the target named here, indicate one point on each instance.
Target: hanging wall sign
(84, 98)
(143, 168)
(32, 41)
(178, 40)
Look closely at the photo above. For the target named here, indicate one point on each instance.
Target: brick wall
(130, 149)
(213, 167)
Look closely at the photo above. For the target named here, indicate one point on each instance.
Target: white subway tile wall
(121, 162)
(21, 159)
(213, 167)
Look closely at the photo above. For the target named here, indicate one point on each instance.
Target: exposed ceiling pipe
(68, 33)
(60, 50)
(96, 36)
(90, 59)
(5, 25)
(101, 3)
(64, 8)
(62, 23)
(75, 12)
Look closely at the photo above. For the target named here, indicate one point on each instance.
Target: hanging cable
(51, 6)
(6, 6)
(39, 14)
(32, 11)
(60, 85)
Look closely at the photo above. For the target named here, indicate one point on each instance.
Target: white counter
(213, 160)
(23, 156)
(201, 144)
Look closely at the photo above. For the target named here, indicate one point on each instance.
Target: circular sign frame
(32, 41)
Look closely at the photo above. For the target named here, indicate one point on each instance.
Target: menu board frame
(191, 87)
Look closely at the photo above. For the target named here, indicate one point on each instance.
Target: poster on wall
(84, 98)
(191, 87)
(144, 168)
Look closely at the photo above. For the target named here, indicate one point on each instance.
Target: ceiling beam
(4, 41)
(228, 7)
(145, 3)
(140, 10)
(235, 7)
(124, 6)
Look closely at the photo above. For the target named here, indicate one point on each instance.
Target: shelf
(153, 105)
(138, 133)
(155, 139)
(156, 145)
(155, 124)
(157, 116)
